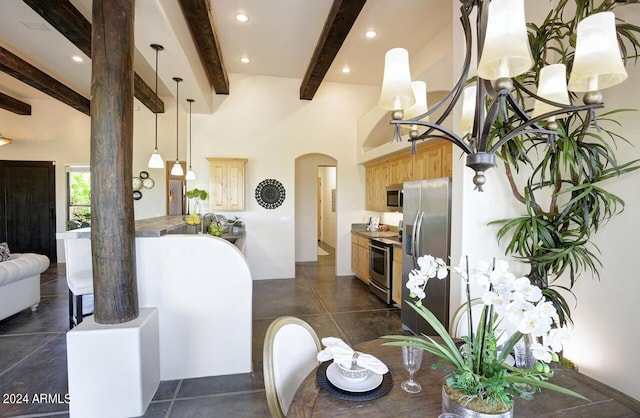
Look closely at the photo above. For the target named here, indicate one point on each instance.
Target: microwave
(394, 198)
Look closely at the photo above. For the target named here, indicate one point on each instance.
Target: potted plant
(480, 378)
(237, 224)
(198, 195)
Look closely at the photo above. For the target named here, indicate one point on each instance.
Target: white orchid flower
(530, 292)
(546, 309)
(556, 339)
(540, 352)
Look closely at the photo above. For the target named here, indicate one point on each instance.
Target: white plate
(341, 382)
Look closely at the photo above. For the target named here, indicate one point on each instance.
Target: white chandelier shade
(396, 90)
(506, 52)
(552, 86)
(597, 63)
(468, 109)
(420, 107)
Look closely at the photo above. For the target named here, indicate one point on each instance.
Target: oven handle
(372, 245)
(377, 286)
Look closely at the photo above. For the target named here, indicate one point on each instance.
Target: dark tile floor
(33, 347)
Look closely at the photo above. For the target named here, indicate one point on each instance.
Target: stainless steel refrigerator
(426, 230)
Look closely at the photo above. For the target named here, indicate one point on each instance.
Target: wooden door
(27, 207)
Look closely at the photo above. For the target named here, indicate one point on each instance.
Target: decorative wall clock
(270, 193)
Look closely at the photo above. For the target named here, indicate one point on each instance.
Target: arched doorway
(315, 212)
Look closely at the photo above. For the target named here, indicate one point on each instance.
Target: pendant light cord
(177, 80)
(190, 159)
(156, 109)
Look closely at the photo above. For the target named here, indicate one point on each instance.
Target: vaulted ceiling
(309, 40)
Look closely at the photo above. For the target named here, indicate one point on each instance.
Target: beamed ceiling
(309, 40)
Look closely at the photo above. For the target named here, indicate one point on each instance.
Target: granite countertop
(387, 237)
(150, 227)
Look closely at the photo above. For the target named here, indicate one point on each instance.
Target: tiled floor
(33, 348)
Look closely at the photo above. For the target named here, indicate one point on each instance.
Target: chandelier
(504, 54)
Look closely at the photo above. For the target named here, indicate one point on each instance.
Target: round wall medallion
(270, 193)
(137, 195)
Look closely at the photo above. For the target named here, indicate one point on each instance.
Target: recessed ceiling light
(241, 17)
(35, 26)
(77, 58)
(346, 69)
(245, 60)
(371, 33)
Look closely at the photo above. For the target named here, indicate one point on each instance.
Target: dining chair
(459, 325)
(290, 353)
(79, 284)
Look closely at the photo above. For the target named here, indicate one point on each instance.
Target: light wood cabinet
(432, 160)
(360, 257)
(377, 181)
(396, 283)
(427, 163)
(226, 184)
(400, 169)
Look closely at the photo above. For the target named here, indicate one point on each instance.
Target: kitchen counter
(151, 227)
(158, 227)
(388, 237)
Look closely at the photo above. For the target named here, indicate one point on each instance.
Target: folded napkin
(342, 354)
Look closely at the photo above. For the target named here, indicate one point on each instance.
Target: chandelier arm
(447, 134)
(454, 94)
(542, 99)
(492, 114)
(520, 111)
(537, 129)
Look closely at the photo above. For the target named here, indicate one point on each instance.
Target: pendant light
(156, 161)
(190, 173)
(176, 170)
(4, 140)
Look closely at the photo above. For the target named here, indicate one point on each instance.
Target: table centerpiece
(480, 378)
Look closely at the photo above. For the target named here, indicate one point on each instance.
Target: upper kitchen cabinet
(400, 169)
(432, 160)
(226, 184)
(377, 181)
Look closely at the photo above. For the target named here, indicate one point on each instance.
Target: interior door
(27, 207)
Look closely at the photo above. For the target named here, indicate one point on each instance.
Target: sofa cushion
(5, 254)
(21, 266)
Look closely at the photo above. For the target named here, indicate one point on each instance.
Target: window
(79, 194)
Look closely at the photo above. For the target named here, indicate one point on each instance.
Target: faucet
(207, 219)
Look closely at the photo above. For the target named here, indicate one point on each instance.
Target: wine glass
(411, 359)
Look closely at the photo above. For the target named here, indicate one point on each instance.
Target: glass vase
(522, 352)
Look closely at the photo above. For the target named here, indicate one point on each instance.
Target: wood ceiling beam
(67, 20)
(14, 105)
(28, 74)
(200, 22)
(341, 18)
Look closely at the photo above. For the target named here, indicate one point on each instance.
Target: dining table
(315, 399)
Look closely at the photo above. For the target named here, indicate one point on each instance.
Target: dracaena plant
(562, 185)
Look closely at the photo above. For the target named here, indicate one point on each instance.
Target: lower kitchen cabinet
(396, 278)
(360, 257)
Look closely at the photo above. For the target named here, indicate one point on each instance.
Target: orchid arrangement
(513, 309)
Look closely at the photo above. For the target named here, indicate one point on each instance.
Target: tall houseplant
(563, 190)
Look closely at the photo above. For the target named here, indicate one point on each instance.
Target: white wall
(605, 337)
(264, 121)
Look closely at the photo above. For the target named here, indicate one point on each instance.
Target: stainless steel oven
(380, 259)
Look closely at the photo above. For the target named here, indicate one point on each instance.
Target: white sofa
(20, 282)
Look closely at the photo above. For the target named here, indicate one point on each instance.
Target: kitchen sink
(230, 239)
